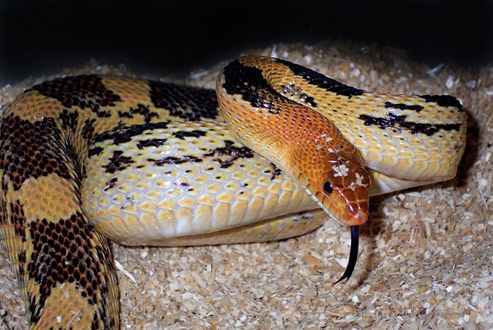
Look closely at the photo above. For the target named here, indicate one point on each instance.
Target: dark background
(163, 37)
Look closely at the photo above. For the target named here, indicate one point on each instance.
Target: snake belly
(143, 162)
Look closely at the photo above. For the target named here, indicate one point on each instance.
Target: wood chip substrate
(425, 259)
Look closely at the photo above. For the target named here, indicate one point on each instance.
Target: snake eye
(328, 187)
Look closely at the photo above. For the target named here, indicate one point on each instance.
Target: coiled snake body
(152, 163)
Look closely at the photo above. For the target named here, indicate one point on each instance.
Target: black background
(163, 37)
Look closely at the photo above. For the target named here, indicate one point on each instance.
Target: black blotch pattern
(69, 119)
(88, 129)
(139, 110)
(399, 122)
(110, 184)
(34, 153)
(176, 160)
(403, 106)
(319, 80)
(118, 162)
(95, 151)
(248, 82)
(276, 171)
(123, 134)
(186, 102)
(18, 219)
(84, 91)
(228, 154)
(195, 133)
(443, 101)
(150, 143)
(21, 258)
(62, 253)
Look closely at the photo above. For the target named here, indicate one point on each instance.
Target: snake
(271, 153)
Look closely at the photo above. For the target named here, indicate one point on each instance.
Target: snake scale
(272, 153)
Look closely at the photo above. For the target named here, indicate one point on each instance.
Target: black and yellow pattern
(147, 162)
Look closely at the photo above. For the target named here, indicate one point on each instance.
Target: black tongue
(353, 254)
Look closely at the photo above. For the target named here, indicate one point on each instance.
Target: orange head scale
(342, 189)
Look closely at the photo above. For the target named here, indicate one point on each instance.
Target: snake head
(341, 188)
(348, 197)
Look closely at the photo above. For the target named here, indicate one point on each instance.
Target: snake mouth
(353, 254)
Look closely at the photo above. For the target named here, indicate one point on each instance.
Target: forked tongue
(353, 254)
